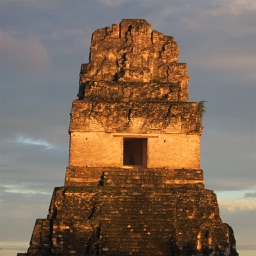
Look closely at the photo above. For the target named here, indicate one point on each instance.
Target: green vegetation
(202, 107)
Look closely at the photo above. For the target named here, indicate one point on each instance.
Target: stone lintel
(135, 135)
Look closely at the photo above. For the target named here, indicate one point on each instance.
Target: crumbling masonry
(134, 184)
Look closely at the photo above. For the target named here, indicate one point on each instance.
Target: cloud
(9, 246)
(19, 212)
(234, 205)
(250, 194)
(224, 183)
(22, 189)
(228, 159)
(112, 2)
(37, 142)
(32, 164)
(66, 33)
(248, 247)
(23, 54)
(220, 8)
(226, 63)
(238, 7)
(203, 9)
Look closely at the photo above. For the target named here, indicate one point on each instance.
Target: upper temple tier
(134, 91)
(132, 52)
(133, 84)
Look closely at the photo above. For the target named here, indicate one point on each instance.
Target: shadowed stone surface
(134, 184)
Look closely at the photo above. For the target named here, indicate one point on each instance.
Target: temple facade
(133, 185)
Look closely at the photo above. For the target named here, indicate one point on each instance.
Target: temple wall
(90, 149)
(174, 151)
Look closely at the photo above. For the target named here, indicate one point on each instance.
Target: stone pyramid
(134, 184)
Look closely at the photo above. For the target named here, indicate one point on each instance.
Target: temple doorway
(135, 152)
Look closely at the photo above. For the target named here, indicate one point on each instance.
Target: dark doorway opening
(135, 152)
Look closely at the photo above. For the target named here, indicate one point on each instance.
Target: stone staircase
(137, 212)
(135, 177)
(136, 221)
(131, 212)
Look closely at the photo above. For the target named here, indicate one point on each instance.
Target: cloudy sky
(43, 43)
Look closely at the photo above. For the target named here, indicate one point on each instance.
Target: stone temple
(133, 185)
